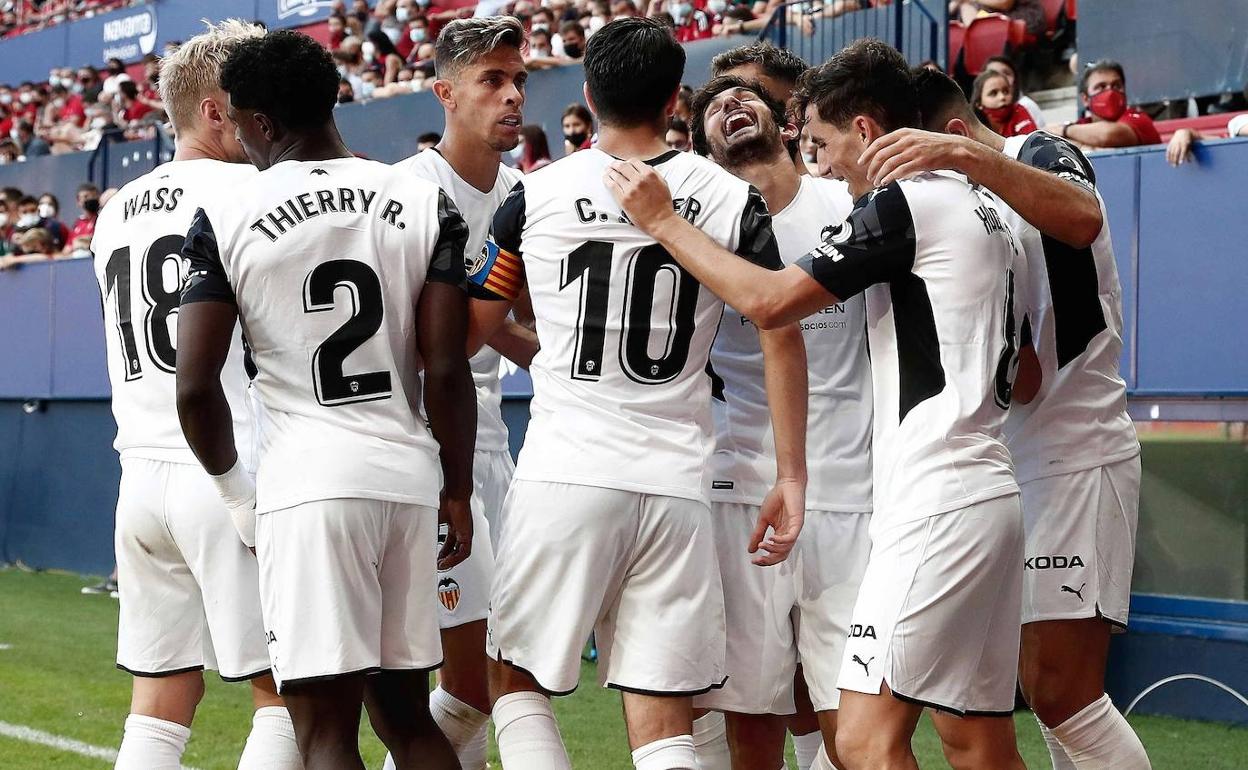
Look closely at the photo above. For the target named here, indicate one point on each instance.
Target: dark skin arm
(451, 405)
(205, 332)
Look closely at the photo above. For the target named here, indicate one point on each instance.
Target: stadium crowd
(17, 17)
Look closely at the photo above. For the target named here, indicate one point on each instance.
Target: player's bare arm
(451, 404)
(768, 298)
(205, 330)
(784, 509)
(516, 342)
(486, 319)
(1054, 206)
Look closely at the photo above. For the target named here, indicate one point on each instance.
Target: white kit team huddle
(653, 504)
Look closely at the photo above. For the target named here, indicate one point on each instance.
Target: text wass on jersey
(838, 436)
(326, 261)
(477, 208)
(935, 260)
(139, 266)
(1073, 300)
(621, 394)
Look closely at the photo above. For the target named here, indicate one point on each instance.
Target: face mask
(680, 11)
(576, 139)
(26, 97)
(540, 53)
(77, 88)
(27, 220)
(368, 51)
(1108, 104)
(418, 34)
(998, 115)
(423, 3)
(6, 98)
(91, 205)
(717, 6)
(536, 27)
(573, 51)
(517, 151)
(99, 123)
(402, 14)
(367, 91)
(46, 211)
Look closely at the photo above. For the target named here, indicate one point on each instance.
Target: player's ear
(670, 107)
(865, 128)
(445, 93)
(589, 102)
(957, 126)
(267, 125)
(211, 112)
(789, 132)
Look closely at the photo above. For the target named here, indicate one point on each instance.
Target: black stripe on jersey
(921, 374)
(447, 262)
(1073, 284)
(756, 242)
(205, 278)
(508, 226)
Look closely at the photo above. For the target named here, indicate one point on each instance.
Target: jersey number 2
(161, 303)
(333, 387)
(591, 263)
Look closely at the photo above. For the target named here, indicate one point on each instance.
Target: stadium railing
(917, 28)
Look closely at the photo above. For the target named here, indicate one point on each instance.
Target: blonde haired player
(190, 599)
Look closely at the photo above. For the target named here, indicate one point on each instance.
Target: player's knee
(861, 748)
(1052, 693)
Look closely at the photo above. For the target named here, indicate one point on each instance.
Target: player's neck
(475, 162)
(192, 146)
(323, 144)
(777, 181)
(633, 142)
(989, 137)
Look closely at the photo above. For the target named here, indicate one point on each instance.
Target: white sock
(463, 726)
(710, 741)
(152, 744)
(1056, 752)
(527, 733)
(271, 744)
(1099, 738)
(806, 748)
(675, 753)
(822, 760)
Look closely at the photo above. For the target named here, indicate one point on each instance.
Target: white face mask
(366, 92)
(717, 6)
(26, 97)
(418, 34)
(368, 50)
(536, 27)
(6, 98)
(46, 211)
(402, 14)
(27, 220)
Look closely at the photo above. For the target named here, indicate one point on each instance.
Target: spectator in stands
(116, 76)
(337, 24)
(345, 92)
(692, 23)
(34, 245)
(678, 135)
(1109, 122)
(578, 128)
(9, 151)
(1005, 65)
(132, 108)
(417, 34)
(1179, 151)
(382, 57)
(622, 9)
(533, 152)
(573, 36)
(992, 96)
(1030, 11)
(540, 54)
(32, 146)
(684, 104)
(89, 85)
(64, 108)
(84, 227)
(49, 211)
(427, 140)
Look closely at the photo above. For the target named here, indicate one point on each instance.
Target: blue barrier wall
(1169, 50)
(130, 33)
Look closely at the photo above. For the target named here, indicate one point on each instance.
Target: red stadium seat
(957, 36)
(1052, 14)
(1019, 37)
(1070, 9)
(986, 36)
(1209, 126)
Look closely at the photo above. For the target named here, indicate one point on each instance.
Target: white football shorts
(464, 590)
(491, 478)
(1080, 543)
(344, 584)
(639, 570)
(189, 589)
(938, 615)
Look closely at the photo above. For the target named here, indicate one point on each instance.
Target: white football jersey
(1073, 304)
(326, 261)
(137, 247)
(477, 208)
(935, 260)
(621, 394)
(838, 433)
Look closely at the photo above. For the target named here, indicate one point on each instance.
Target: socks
(822, 761)
(271, 744)
(463, 726)
(152, 744)
(527, 733)
(710, 742)
(1099, 738)
(806, 747)
(675, 753)
(1056, 752)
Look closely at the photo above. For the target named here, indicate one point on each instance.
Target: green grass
(57, 675)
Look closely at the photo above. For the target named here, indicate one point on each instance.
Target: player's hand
(457, 516)
(909, 152)
(1180, 148)
(783, 512)
(641, 192)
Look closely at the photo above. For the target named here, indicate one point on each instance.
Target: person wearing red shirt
(132, 107)
(84, 227)
(993, 100)
(691, 23)
(1109, 122)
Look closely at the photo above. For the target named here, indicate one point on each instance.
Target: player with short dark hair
(188, 587)
(1073, 444)
(348, 277)
(934, 620)
(611, 484)
(807, 602)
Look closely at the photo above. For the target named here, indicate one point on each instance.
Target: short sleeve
(446, 265)
(875, 244)
(206, 280)
(1143, 126)
(498, 271)
(756, 242)
(1060, 157)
